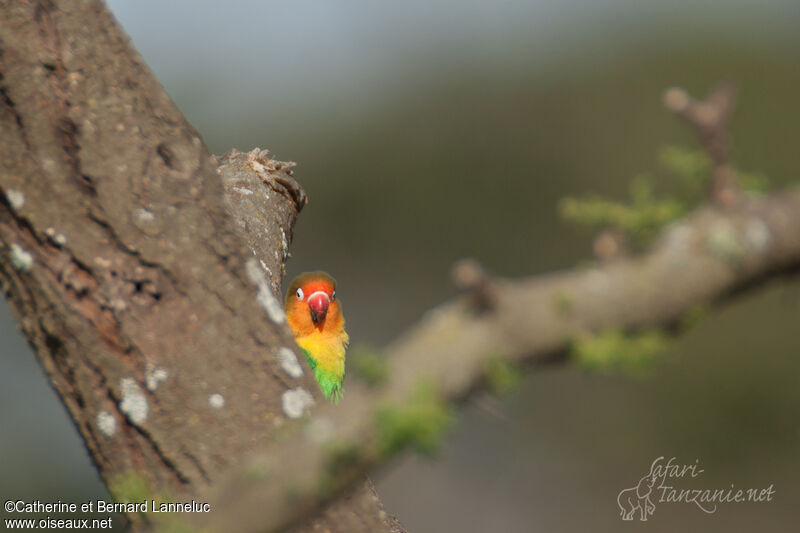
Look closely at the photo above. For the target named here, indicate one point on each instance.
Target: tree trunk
(159, 327)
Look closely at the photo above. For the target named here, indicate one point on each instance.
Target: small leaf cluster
(369, 366)
(639, 220)
(692, 168)
(686, 171)
(420, 422)
(613, 350)
(501, 376)
(130, 488)
(342, 462)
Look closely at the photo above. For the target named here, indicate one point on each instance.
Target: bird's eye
(333, 295)
(299, 294)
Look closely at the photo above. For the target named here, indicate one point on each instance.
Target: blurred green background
(430, 131)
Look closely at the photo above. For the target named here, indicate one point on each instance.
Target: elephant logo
(638, 497)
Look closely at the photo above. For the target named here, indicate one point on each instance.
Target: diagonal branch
(707, 257)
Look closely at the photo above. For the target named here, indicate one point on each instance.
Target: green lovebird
(315, 316)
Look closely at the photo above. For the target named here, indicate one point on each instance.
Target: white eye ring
(299, 294)
(333, 295)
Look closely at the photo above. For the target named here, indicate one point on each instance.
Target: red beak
(318, 303)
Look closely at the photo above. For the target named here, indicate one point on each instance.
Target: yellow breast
(327, 351)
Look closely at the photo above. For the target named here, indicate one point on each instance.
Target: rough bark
(157, 326)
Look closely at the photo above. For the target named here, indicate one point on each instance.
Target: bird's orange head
(311, 304)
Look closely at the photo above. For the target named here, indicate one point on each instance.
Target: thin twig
(710, 118)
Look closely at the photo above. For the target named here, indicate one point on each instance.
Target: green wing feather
(331, 387)
(311, 361)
